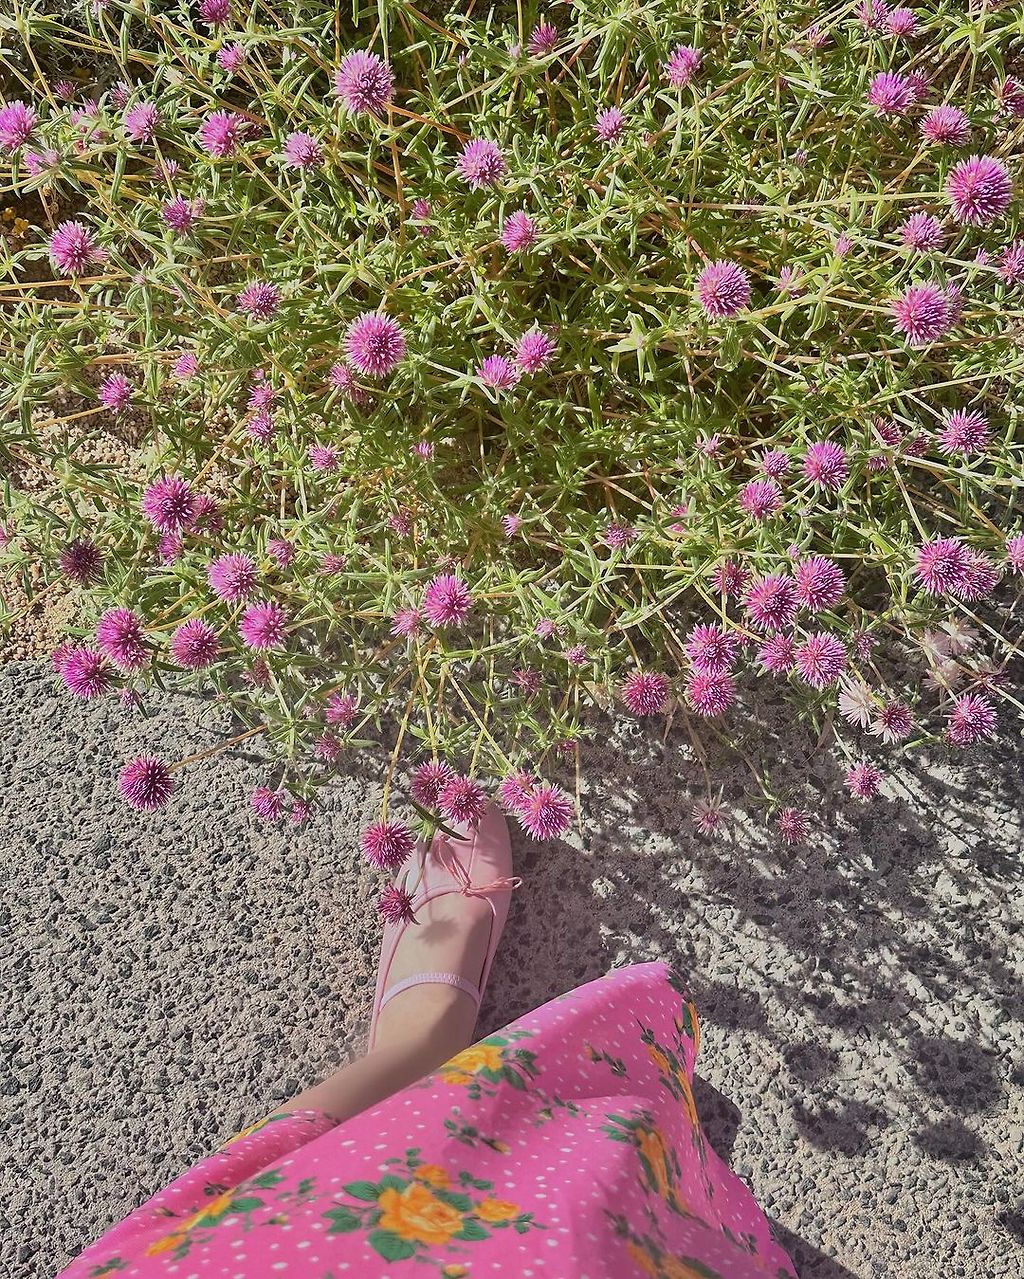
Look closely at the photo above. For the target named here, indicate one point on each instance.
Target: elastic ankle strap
(431, 979)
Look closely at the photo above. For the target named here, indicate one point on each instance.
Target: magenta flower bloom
(264, 626)
(682, 65)
(115, 393)
(946, 126)
(406, 621)
(302, 151)
(863, 781)
(1011, 263)
(793, 825)
(723, 289)
(215, 13)
(195, 645)
(481, 164)
(222, 133)
(777, 655)
(463, 800)
(546, 813)
(340, 709)
(260, 300)
(498, 373)
(146, 783)
(543, 40)
(761, 498)
(261, 426)
(645, 692)
(301, 809)
(186, 366)
(534, 351)
(963, 431)
(447, 601)
(1015, 552)
(39, 162)
(1009, 95)
(890, 94)
(85, 672)
(710, 648)
(16, 124)
(710, 693)
(429, 780)
(774, 463)
(519, 232)
(901, 22)
(230, 57)
(73, 247)
(771, 603)
(323, 458)
(121, 637)
(395, 906)
(820, 659)
(922, 314)
(610, 125)
(819, 583)
(141, 121)
(972, 718)
(893, 723)
(826, 465)
(941, 564)
(327, 748)
(511, 524)
(169, 504)
(375, 344)
(922, 233)
(514, 791)
(619, 536)
(871, 14)
(267, 803)
(979, 189)
(81, 561)
(978, 577)
(181, 215)
(364, 82)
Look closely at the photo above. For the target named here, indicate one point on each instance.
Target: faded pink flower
(893, 723)
(406, 621)
(972, 719)
(610, 124)
(1010, 264)
(863, 780)
(230, 57)
(515, 790)
(302, 151)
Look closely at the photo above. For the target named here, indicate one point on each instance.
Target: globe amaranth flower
(481, 163)
(181, 215)
(73, 247)
(820, 659)
(946, 126)
(230, 57)
(963, 431)
(519, 232)
(462, 799)
(977, 578)
(534, 351)
(498, 373)
(375, 344)
(186, 366)
(406, 621)
(327, 747)
(264, 626)
(514, 791)
(40, 162)
(16, 124)
(771, 603)
(709, 692)
(195, 645)
(619, 536)
(922, 233)
(300, 811)
(711, 648)
(1015, 552)
(343, 379)
(141, 121)
(266, 803)
(819, 583)
(890, 94)
(341, 709)
(215, 13)
(364, 82)
(825, 464)
(921, 314)
(169, 504)
(972, 719)
(761, 498)
(543, 40)
(774, 463)
(222, 133)
(863, 780)
(396, 907)
(447, 600)
(645, 692)
(120, 635)
(115, 392)
(546, 812)
(429, 780)
(871, 14)
(1009, 96)
(610, 124)
(893, 723)
(260, 300)
(324, 458)
(82, 561)
(793, 825)
(708, 816)
(302, 151)
(86, 672)
(941, 564)
(511, 524)
(1010, 263)
(146, 783)
(979, 190)
(901, 22)
(777, 654)
(723, 289)
(682, 65)
(169, 547)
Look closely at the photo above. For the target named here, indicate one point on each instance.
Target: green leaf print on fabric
(343, 1221)
(365, 1190)
(390, 1247)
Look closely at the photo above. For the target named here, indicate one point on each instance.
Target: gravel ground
(163, 979)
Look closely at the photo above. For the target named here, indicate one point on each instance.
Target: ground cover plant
(497, 364)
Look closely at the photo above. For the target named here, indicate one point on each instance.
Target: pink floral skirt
(567, 1144)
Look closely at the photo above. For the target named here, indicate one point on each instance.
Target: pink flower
(186, 366)
(645, 692)
(546, 813)
(343, 380)
(730, 578)
(146, 783)
(963, 431)
(301, 809)
(901, 22)
(327, 748)
(169, 504)
(534, 351)
(519, 232)
(1009, 95)
(1015, 552)
(81, 561)
(264, 626)
(1011, 263)
(890, 94)
(577, 655)
(723, 289)
(893, 723)
(16, 124)
(232, 577)
(85, 672)
(774, 463)
(429, 780)
(323, 458)
(922, 233)
(340, 709)
(820, 659)
(195, 644)
(215, 13)
(73, 247)
(793, 825)
(761, 498)
(826, 464)
(710, 692)
(922, 314)
(447, 601)
(771, 603)
(230, 57)
(421, 211)
(375, 344)
(863, 781)
(497, 372)
(481, 164)
(972, 718)
(281, 551)
(710, 648)
(941, 564)
(619, 536)
(610, 124)
(946, 126)
(302, 151)
(511, 524)
(141, 121)
(120, 635)
(777, 655)
(115, 393)
(683, 63)
(181, 215)
(406, 621)
(260, 300)
(267, 803)
(978, 577)
(514, 791)
(395, 906)
(364, 82)
(39, 162)
(856, 703)
(708, 816)
(819, 583)
(872, 14)
(979, 190)
(221, 133)
(463, 800)
(543, 39)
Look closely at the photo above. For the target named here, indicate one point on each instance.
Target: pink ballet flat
(477, 864)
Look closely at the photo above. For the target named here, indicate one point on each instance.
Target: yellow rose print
(497, 1210)
(167, 1244)
(433, 1175)
(477, 1057)
(455, 1272)
(416, 1215)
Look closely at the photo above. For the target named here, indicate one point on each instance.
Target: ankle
(430, 1022)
